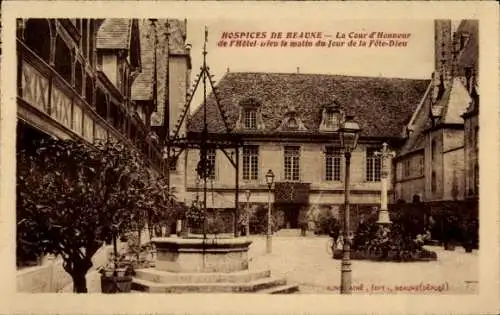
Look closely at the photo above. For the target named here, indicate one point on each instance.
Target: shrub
(326, 222)
(258, 221)
(397, 242)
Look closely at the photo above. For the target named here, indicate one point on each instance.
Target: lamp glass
(349, 134)
(269, 177)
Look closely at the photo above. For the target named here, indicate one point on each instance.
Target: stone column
(385, 155)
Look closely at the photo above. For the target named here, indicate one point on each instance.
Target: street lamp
(269, 181)
(247, 223)
(385, 154)
(349, 134)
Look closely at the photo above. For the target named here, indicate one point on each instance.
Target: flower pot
(120, 272)
(116, 284)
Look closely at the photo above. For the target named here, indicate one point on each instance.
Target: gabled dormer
(331, 118)
(291, 121)
(250, 115)
(118, 52)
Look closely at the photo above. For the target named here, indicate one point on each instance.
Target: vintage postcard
(249, 157)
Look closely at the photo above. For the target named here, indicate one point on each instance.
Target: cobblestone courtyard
(305, 261)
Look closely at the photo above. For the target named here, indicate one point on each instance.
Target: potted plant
(116, 275)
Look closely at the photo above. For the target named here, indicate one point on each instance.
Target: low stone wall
(51, 276)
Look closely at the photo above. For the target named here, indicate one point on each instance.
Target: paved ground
(305, 261)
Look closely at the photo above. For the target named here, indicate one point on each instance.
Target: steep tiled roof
(142, 89)
(382, 106)
(114, 34)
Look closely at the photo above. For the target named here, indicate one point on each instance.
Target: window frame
(332, 120)
(433, 182)
(250, 118)
(212, 158)
(333, 158)
(293, 154)
(250, 163)
(373, 166)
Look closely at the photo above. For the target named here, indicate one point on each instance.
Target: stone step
(287, 232)
(222, 287)
(293, 233)
(159, 276)
(283, 289)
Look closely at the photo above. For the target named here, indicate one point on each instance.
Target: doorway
(292, 216)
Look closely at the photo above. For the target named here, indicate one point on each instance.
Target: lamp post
(349, 134)
(385, 155)
(269, 181)
(247, 223)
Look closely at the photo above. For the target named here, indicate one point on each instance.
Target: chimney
(298, 70)
(227, 70)
(443, 48)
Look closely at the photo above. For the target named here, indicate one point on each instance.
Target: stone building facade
(289, 124)
(438, 159)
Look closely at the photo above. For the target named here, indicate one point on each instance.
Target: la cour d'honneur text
(306, 39)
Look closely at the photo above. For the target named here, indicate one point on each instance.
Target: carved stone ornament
(291, 121)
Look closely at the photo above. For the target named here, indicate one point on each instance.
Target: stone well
(195, 254)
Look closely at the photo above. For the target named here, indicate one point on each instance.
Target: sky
(416, 60)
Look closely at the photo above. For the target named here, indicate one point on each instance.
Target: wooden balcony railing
(42, 88)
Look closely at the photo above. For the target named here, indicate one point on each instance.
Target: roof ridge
(328, 75)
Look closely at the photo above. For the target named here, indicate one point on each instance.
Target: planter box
(116, 284)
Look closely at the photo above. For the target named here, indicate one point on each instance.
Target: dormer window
(331, 118)
(250, 118)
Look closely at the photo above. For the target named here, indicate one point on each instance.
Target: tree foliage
(73, 196)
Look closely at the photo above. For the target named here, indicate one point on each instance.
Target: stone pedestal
(211, 265)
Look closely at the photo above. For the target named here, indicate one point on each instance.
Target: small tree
(73, 196)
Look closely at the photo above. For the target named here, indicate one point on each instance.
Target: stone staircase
(156, 281)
